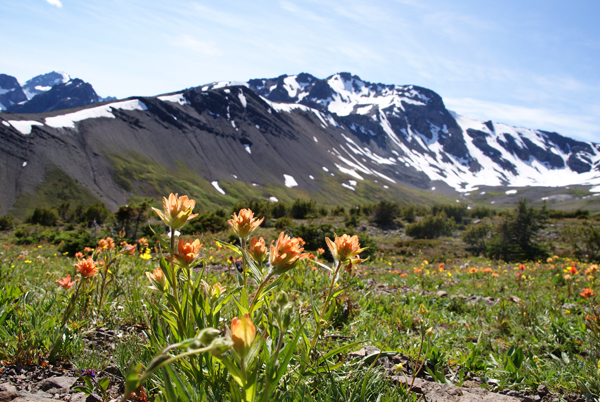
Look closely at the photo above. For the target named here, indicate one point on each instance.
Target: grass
(488, 323)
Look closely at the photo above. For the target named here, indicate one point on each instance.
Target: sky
(531, 63)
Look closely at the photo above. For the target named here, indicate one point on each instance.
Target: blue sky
(526, 63)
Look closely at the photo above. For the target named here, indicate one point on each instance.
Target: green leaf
(232, 247)
(235, 372)
(103, 383)
(337, 350)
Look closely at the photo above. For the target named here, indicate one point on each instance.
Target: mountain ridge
(338, 139)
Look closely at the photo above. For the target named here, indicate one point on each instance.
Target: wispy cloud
(583, 126)
(188, 42)
(56, 3)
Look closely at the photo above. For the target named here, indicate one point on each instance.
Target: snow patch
(290, 181)
(325, 169)
(24, 126)
(242, 98)
(24, 164)
(595, 189)
(510, 192)
(274, 199)
(176, 98)
(315, 138)
(247, 148)
(215, 184)
(353, 182)
(347, 186)
(311, 177)
(69, 120)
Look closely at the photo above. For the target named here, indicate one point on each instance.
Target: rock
(515, 299)
(542, 390)
(471, 384)
(113, 370)
(435, 392)
(7, 387)
(57, 384)
(441, 293)
(367, 350)
(7, 396)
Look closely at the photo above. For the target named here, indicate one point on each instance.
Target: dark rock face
(74, 93)
(11, 92)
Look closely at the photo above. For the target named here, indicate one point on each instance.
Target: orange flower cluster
(245, 223)
(345, 249)
(258, 250)
(187, 251)
(157, 277)
(587, 293)
(87, 268)
(215, 291)
(242, 335)
(286, 252)
(107, 243)
(177, 211)
(66, 282)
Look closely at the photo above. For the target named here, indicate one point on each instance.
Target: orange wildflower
(522, 267)
(474, 270)
(345, 249)
(187, 251)
(245, 223)
(587, 293)
(66, 282)
(143, 242)
(107, 243)
(395, 271)
(87, 268)
(573, 270)
(79, 255)
(242, 335)
(177, 211)
(403, 275)
(157, 277)
(286, 252)
(320, 251)
(258, 250)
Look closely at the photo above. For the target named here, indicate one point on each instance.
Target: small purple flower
(88, 372)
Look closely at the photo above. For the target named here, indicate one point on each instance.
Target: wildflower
(441, 266)
(403, 275)
(399, 367)
(429, 331)
(418, 270)
(66, 282)
(286, 252)
(536, 359)
(79, 255)
(567, 312)
(522, 267)
(87, 268)
(567, 277)
(345, 249)
(573, 270)
(423, 310)
(258, 250)
(187, 251)
(107, 243)
(245, 223)
(87, 249)
(146, 255)
(587, 293)
(320, 251)
(215, 291)
(242, 335)
(177, 211)
(158, 278)
(472, 270)
(549, 260)
(143, 242)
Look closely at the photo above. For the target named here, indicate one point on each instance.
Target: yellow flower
(345, 249)
(146, 255)
(399, 367)
(286, 252)
(177, 211)
(242, 335)
(429, 331)
(245, 223)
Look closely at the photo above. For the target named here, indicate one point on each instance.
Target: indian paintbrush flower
(177, 211)
(66, 282)
(245, 223)
(345, 249)
(187, 251)
(87, 268)
(242, 335)
(587, 293)
(286, 252)
(258, 250)
(158, 278)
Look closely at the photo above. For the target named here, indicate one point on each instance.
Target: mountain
(10, 92)
(340, 140)
(43, 83)
(73, 93)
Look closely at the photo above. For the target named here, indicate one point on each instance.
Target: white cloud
(56, 3)
(582, 126)
(206, 48)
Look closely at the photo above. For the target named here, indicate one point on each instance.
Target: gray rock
(435, 392)
(441, 293)
(56, 384)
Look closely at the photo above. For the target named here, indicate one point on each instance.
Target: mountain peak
(44, 83)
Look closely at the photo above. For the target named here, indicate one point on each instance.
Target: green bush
(477, 236)
(210, 222)
(431, 227)
(455, 212)
(301, 209)
(583, 240)
(7, 222)
(385, 213)
(44, 217)
(284, 223)
(72, 242)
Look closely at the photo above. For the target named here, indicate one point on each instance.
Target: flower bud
(282, 298)
(422, 310)
(274, 307)
(207, 335)
(220, 346)
(287, 316)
